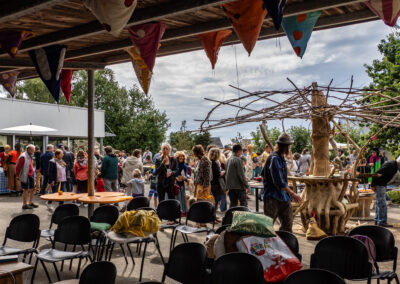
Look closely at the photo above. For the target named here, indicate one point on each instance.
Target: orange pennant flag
(143, 73)
(212, 42)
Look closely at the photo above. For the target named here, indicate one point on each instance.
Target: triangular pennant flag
(143, 73)
(8, 80)
(146, 38)
(247, 17)
(48, 62)
(66, 77)
(275, 10)
(10, 41)
(298, 29)
(112, 14)
(212, 43)
(387, 10)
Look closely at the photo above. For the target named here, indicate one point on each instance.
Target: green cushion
(94, 226)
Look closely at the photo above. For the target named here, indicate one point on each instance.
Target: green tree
(273, 134)
(258, 140)
(385, 73)
(238, 139)
(301, 138)
(181, 140)
(203, 139)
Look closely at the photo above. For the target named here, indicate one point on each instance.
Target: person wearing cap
(378, 185)
(277, 194)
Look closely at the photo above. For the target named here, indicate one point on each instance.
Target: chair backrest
(147, 209)
(229, 214)
(291, 241)
(62, 211)
(343, 255)
(105, 214)
(169, 209)
(138, 202)
(201, 212)
(187, 263)
(222, 228)
(23, 228)
(102, 272)
(74, 230)
(314, 276)
(382, 238)
(237, 268)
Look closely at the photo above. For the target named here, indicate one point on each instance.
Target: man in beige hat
(277, 194)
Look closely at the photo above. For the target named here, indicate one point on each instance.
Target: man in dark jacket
(277, 194)
(44, 167)
(378, 185)
(235, 179)
(109, 170)
(69, 159)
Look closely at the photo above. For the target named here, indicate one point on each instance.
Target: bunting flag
(66, 77)
(298, 29)
(275, 10)
(48, 62)
(212, 43)
(247, 17)
(112, 14)
(142, 71)
(387, 10)
(10, 41)
(146, 38)
(8, 80)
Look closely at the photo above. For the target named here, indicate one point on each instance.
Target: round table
(256, 185)
(108, 194)
(104, 199)
(66, 196)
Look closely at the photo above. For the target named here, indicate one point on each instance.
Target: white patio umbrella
(29, 128)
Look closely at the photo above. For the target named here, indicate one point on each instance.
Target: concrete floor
(153, 269)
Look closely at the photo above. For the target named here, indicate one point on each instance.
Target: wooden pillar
(90, 138)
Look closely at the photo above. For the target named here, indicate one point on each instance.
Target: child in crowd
(153, 189)
(135, 185)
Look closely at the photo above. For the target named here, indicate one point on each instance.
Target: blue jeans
(223, 205)
(380, 204)
(45, 181)
(181, 197)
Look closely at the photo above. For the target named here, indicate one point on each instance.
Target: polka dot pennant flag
(10, 41)
(298, 30)
(212, 43)
(247, 17)
(142, 71)
(112, 14)
(146, 38)
(275, 10)
(387, 10)
(8, 80)
(66, 77)
(48, 62)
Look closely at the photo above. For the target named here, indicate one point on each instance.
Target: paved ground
(11, 207)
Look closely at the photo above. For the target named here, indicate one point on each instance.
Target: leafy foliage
(238, 139)
(203, 139)
(181, 140)
(301, 137)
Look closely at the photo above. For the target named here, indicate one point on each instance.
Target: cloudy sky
(181, 82)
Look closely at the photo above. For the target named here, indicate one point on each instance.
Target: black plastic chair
(385, 248)
(237, 268)
(291, 241)
(344, 256)
(314, 276)
(74, 230)
(200, 212)
(138, 202)
(227, 219)
(222, 228)
(22, 228)
(187, 264)
(102, 272)
(170, 210)
(62, 211)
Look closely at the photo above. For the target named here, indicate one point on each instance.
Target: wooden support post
(90, 138)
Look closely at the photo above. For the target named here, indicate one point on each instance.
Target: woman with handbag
(166, 172)
(203, 175)
(217, 174)
(180, 180)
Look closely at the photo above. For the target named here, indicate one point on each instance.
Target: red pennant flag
(212, 43)
(66, 77)
(387, 10)
(247, 17)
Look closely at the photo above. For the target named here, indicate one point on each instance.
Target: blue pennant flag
(49, 62)
(298, 29)
(275, 10)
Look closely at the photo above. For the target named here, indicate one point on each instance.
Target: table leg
(257, 201)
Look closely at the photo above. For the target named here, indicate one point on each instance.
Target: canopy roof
(90, 46)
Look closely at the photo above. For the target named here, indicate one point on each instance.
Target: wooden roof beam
(141, 16)
(10, 10)
(22, 63)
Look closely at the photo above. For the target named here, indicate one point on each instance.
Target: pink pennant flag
(8, 80)
(387, 10)
(146, 38)
(66, 77)
(10, 41)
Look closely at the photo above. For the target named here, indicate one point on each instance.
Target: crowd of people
(220, 176)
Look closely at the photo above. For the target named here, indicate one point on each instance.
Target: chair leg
(141, 265)
(111, 251)
(397, 279)
(62, 263)
(172, 239)
(45, 270)
(34, 270)
(70, 263)
(130, 252)
(79, 268)
(58, 274)
(157, 244)
(185, 238)
(123, 252)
